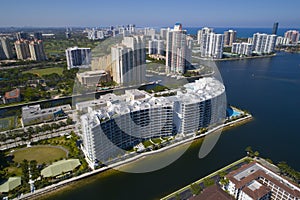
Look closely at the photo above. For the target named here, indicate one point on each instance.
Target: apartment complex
(178, 50)
(37, 50)
(33, 50)
(242, 48)
(5, 48)
(203, 31)
(35, 114)
(229, 38)
(256, 182)
(22, 49)
(92, 78)
(156, 47)
(118, 123)
(293, 36)
(211, 45)
(78, 57)
(128, 61)
(263, 43)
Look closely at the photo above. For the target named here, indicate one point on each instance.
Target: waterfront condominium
(36, 49)
(78, 57)
(203, 31)
(263, 43)
(128, 61)
(211, 45)
(178, 50)
(293, 36)
(229, 38)
(115, 124)
(242, 48)
(156, 47)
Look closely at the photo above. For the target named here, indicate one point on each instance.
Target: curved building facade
(124, 121)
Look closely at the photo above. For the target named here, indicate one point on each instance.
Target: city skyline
(191, 13)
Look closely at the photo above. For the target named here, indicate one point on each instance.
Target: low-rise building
(10, 184)
(34, 114)
(256, 182)
(60, 167)
(12, 96)
(92, 78)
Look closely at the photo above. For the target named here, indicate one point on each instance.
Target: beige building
(92, 78)
(22, 49)
(37, 50)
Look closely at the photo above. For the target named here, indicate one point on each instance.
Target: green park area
(42, 154)
(46, 71)
(8, 123)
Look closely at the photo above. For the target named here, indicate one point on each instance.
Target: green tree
(195, 188)
(208, 182)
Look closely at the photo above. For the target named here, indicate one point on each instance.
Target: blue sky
(191, 13)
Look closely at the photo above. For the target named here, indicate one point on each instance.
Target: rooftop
(93, 73)
(212, 193)
(12, 94)
(10, 184)
(133, 100)
(60, 167)
(248, 175)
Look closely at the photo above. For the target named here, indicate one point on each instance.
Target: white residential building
(211, 45)
(156, 47)
(178, 50)
(242, 48)
(203, 31)
(263, 43)
(118, 123)
(128, 61)
(78, 57)
(282, 41)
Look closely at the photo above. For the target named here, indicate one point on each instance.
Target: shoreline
(244, 58)
(58, 186)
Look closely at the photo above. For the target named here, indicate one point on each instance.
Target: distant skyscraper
(22, 49)
(178, 50)
(292, 35)
(229, 37)
(163, 33)
(128, 61)
(211, 45)
(78, 57)
(275, 28)
(156, 47)
(7, 48)
(37, 50)
(263, 43)
(38, 36)
(204, 30)
(68, 33)
(22, 36)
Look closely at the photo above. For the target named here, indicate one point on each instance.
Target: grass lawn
(7, 123)
(156, 140)
(14, 171)
(42, 154)
(41, 72)
(147, 143)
